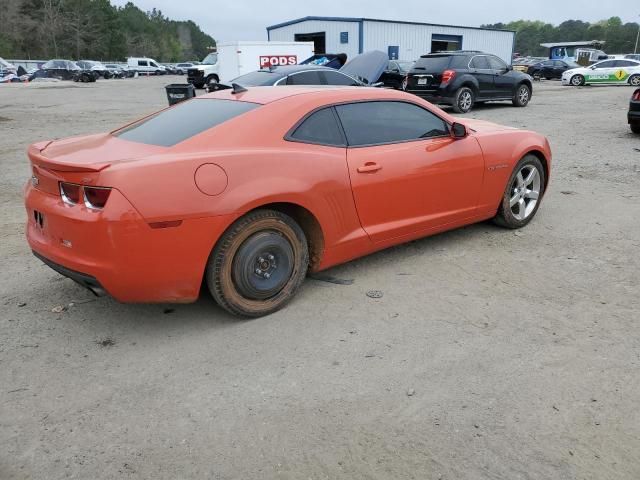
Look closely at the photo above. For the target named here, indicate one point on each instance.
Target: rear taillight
(70, 193)
(636, 96)
(96, 197)
(448, 75)
(92, 197)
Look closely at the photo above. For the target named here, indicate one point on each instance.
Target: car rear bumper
(633, 116)
(116, 251)
(433, 97)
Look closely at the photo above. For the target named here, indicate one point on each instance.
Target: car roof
(332, 94)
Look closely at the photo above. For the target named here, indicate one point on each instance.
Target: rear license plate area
(423, 81)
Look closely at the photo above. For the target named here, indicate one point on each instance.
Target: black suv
(462, 78)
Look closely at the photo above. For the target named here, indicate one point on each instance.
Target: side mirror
(458, 130)
(509, 68)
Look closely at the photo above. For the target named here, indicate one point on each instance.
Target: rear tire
(258, 264)
(635, 127)
(522, 96)
(577, 80)
(634, 80)
(463, 101)
(522, 194)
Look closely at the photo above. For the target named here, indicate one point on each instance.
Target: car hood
(482, 126)
(367, 67)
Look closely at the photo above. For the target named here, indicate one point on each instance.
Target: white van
(145, 65)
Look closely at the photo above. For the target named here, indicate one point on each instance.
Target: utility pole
(637, 37)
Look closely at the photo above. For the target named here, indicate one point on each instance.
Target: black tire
(522, 95)
(258, 264)
(211, 79)
(463, 100)
(198, 85)
(548, 78)
(506, 216)
(634, 80)
(635, 127)
(577, 80)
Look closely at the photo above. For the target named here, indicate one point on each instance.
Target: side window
(337, 78)
(142, 63)
(496, 63)
(372, 123)
(320, 127)
(480, 62)
(393, 67)
(607, 64)
(625, 63)
(304, 78)
(153, 64)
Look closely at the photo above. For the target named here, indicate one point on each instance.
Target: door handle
(369, 167)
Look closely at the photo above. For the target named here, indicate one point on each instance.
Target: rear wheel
(463, 101)
(634, 80)
(635, 127)
(258, 264)
(522, 196)
(522, 96)
(577, 80)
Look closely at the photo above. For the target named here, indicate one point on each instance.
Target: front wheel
(634, 80)
(577, 80)
(522, 96)
(522, 196)
(463, 101)
(258, 264)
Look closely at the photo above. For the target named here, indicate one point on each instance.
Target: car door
(503, 81)
(481, 70)
(333, 77)
(601, 72)
(559, 68)
(408, 174)
(309, 77)
(623, 69)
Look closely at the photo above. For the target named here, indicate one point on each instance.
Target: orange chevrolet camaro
(251, 189)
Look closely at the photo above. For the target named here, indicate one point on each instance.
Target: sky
(248, 19)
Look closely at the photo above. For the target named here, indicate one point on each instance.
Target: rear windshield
(183, 121)
(432, 64)
(259, 78)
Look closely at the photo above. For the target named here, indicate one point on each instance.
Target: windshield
(210, 59)
(176, 124)
(259, 78)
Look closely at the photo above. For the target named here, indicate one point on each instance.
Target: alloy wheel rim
(525, 192)
(524, 95)
(465, 101)
(576, 80)
(635, 81)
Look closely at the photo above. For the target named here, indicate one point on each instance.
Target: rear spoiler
(36, 157)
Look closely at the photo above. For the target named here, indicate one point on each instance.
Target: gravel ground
(493, 354)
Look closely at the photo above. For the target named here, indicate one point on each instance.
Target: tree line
(96, 30)
(619, 37)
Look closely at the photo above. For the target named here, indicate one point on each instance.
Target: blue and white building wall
(404, 40)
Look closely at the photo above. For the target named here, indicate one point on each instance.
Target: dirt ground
(493, 354)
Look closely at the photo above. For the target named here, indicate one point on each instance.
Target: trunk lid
(367, 67)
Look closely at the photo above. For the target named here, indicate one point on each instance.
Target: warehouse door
(318, 39)
(445, 43)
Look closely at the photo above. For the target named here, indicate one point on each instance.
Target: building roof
(363, 19)
(584, 43)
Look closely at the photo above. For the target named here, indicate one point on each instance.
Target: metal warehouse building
(402, 40)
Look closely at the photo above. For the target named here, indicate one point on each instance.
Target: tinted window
(183, 121)
(337, 78)
(142, 63)
(259, 78)
(304, 78)
(371, 123)
(607, 64)
(496, 64)
(625, 63)
(320, 127)
(435, 64)
(480, 62)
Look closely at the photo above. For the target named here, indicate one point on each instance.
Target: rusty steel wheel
(258, 264)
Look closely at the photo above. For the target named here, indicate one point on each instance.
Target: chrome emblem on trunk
(34, 180)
